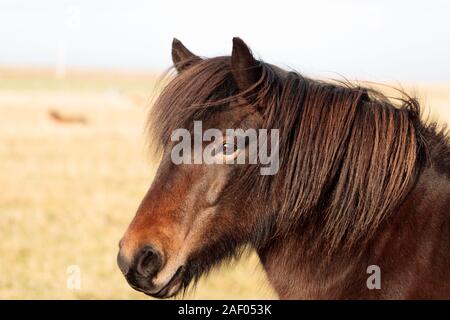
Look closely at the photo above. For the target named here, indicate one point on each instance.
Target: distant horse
(359, 208)
(57, 116)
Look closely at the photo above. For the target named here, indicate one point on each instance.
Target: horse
(359, 207)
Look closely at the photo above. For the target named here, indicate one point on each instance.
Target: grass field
(70, 184)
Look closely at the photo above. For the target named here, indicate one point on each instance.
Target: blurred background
(76, 81)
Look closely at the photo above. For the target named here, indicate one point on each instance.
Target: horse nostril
(148, 261)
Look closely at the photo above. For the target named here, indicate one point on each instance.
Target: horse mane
(348, 154)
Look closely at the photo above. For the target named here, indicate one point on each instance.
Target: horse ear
(182, 58)
(245, 69)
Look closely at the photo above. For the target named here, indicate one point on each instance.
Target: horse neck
(412, 250)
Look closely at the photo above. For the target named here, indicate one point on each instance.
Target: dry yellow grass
(70, 188)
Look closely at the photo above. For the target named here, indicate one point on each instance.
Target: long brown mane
(348, 154)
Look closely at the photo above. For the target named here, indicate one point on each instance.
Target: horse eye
(227, 148)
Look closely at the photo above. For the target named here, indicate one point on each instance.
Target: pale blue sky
(383, 40)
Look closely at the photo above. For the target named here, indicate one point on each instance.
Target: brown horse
(359, 208)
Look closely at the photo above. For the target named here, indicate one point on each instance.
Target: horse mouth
(171, 288)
